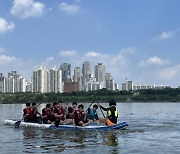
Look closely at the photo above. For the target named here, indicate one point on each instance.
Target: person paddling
(59, 113)
(91, 115)
(70, 113)
(35, 113)
(112, 113)
(47, 114)
(79, 116)
(27, 114)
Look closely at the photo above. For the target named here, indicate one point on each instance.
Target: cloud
(164, 36)
(68, 8)
(6, 26)
(49, 59)
(67, 53)
(153, 61)
(5, 60)
(92, 54)
(27, 8)
(170, 73)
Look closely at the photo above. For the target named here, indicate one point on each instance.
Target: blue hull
(68, 127)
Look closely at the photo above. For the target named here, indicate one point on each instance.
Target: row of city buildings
(60, 80)
(130, 86)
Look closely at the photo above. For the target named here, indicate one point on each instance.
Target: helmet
(112, 102)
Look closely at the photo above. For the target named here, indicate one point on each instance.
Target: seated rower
(79, 116)
(112, 113)
(70, 113)
(27, 114)
(91, 116)
(47, 115)
(59, 113)
(35, 113)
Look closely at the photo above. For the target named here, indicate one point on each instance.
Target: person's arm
(24, 113)
(74, 124)
(56, 115)
(105, 109)
(71, 112)
(44, 114)
(96, 117)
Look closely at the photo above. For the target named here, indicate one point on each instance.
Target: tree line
(155, 95)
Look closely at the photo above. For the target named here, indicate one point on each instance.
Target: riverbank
(150, 95)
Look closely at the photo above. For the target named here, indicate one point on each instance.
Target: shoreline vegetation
(149, 95)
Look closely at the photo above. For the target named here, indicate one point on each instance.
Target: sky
(134, 39)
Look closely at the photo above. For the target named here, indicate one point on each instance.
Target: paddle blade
(17, 123)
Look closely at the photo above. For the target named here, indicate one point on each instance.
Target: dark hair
(60, 102)
(28, 104)
(81, 106)
(95, 106)
(74, 103)
(55, 103)
(48, 105)
(33, 103)
(112, 102)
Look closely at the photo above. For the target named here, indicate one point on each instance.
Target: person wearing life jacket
(47, 115)
(112, 113)
(91, 116)
(27, 114)
(79, 116)
(70, 113)
(59, 113)
(36, 115)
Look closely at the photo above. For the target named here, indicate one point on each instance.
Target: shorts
(109, 123)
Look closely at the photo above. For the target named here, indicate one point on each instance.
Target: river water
(153, 128)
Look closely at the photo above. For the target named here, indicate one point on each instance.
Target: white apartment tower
(100, 74)
(109, 82)
(40, 80)
(55, 80)
(77, 74)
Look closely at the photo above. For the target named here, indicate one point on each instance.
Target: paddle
(91, 103)
(17, 123)
(101, 110)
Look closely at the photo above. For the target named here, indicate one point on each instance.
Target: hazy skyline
(138, 39)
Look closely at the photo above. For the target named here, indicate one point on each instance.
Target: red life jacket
(29, 112)
(61, 111)
(34, 112)
(47, 112)
(79, 115)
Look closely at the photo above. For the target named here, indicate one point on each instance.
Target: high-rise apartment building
(40, 80)
(55, 80)
(14, 83)
(77, 74)
(66, 71)
(100, 74)
(1, 83)
(109, 82)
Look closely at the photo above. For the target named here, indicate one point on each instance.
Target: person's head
(112, 102)
(55, 103)
(60, 103)
(74, 104)
(48, 106)
(95, 107)
(81, 107)
(33, 104)
(28, 104)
